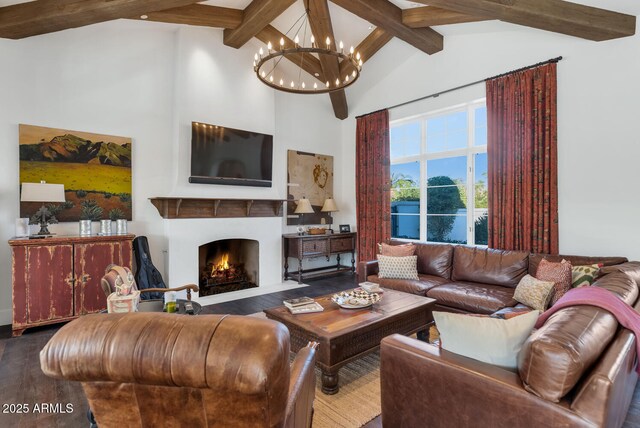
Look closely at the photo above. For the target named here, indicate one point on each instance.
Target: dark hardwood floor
(23, 383)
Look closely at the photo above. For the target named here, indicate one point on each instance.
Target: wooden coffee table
(347, 334)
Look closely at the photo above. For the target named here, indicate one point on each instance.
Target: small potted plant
(117, 215)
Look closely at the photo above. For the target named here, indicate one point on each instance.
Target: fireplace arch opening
(228, 265)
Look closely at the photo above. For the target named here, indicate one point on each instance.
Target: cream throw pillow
(491, 340)
(534, 293)
(398, 267)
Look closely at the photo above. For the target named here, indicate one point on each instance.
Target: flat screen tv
(222, 155)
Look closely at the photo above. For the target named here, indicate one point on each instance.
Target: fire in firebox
(221, 272)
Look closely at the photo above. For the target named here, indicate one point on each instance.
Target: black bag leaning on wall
(147, 276)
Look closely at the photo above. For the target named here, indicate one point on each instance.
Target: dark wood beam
(47, 16)
(429, 16)
(385, 14)
(255, 17)
(320, 22)
(198, 14)
(307, 62)
(559, 16)
(367, 48)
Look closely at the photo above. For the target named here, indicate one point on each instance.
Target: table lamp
(303, 207)
(329, 206)
(42, 192)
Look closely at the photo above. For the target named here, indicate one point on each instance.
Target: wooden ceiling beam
(559, 16)
(385, 14)
(47, 16)
(199, 15)
(367, 48)
(255, 17)
(320, 22)
(429, 16)
(308, 62)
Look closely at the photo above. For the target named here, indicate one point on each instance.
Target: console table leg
(338, 261)
(286, 268)
(353, 262)
(300, 271)
(330, 382)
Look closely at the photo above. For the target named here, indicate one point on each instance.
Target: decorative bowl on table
(355, 299)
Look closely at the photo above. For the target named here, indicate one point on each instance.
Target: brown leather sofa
(470, 279)
(149, 369)
(578, 370)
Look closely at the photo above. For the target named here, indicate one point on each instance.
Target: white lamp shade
(329, 206)
(304, 207)
(42, 192)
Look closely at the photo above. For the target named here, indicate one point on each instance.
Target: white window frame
(470, 151)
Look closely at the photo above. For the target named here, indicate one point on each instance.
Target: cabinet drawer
(341, 244)
(315, 246)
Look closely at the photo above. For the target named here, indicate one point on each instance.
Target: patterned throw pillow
(398, 267)
(534, 292)
(582, 276)
(397, 250)
(559, 273)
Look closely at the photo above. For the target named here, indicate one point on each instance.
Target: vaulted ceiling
(266, 20)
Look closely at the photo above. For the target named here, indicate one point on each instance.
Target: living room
(149, 81)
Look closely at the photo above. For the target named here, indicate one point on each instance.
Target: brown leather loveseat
(155, 370)
(470, 279)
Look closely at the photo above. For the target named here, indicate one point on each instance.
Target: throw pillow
(582, 276)
(398, 267)
(534, 292)
(490, 340)
(559, 273)
(397, 250)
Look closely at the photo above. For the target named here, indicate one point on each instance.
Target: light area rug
(358, 400)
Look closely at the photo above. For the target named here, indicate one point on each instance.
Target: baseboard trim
(5, 317)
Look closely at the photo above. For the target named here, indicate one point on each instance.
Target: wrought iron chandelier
(267, 64)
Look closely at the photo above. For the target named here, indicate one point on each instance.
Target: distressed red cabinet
(57, 279)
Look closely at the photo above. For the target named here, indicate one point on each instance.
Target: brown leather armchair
(154, 369)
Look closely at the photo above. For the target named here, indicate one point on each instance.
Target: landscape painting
(95, 170)
(309, 175)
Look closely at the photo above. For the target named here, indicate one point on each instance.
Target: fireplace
(228, 265)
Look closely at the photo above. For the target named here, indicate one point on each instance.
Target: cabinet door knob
(70, 280)
(85, 278)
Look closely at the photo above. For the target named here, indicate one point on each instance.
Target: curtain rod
(437, 94)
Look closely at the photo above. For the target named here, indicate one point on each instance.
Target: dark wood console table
(309, 246)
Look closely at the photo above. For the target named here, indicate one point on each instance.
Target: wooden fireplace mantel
(217, 208)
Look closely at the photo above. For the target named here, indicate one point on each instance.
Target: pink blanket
(601, 298)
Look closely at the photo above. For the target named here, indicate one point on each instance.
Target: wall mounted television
(230, 156)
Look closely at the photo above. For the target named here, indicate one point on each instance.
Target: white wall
(598, 128)
(148, 81)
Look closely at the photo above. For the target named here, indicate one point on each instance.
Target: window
(439, 176)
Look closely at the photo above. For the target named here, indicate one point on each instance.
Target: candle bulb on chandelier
(313, 41)
(351, 50)
(281, 82)
(271, 79)
(337, 82)
(303, 85)
(263, 74)
(255, 58)
(358, 56)
(296, 41)
(315, 86)
(261, 52)
(341, 47)
(328, 42)
(269, 47)
(327, 83)
(292, 84)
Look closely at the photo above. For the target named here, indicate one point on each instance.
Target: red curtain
(522, 160)
(373, 194)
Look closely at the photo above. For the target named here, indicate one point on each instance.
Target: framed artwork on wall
(94, 168)
(309, 175)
